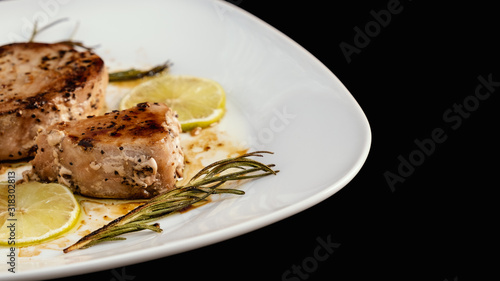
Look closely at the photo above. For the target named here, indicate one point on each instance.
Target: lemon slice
(198, 102)
(42, 211)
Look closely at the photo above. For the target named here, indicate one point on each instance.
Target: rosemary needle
(37, 31)
(69, 42)
(133, 74)
(205, 183)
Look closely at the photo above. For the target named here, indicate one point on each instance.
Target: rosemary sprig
(133, 73)
(205, 183)
(37, 31)
(69, 42)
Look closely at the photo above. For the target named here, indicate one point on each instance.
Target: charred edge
(86, 143)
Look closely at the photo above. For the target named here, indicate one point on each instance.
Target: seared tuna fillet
(41, 84)
(129, 154)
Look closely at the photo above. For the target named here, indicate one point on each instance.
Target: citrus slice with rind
(198, 101)
(33, 212)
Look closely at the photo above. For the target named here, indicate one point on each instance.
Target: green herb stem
(133, 74)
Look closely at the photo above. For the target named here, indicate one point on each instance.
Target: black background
(432, 226)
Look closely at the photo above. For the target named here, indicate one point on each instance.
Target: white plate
(283, 97)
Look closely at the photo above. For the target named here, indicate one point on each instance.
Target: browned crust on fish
(41, 84)
(129, 154)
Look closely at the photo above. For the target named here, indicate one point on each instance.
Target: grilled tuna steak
(129, 154)
(41, 84)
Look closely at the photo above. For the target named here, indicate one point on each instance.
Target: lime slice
(42, 211)
(198, 102)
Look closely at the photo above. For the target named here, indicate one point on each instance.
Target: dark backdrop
(422, 206)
